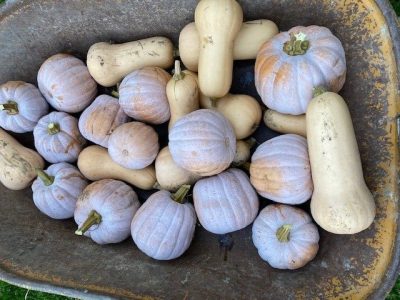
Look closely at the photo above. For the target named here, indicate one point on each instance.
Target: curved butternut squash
(285, 123)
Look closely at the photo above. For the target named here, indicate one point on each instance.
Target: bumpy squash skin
(342, 202)
(285, 123)
(17, 164)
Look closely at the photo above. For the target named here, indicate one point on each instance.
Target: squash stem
(251, 142)
(115, 93)
(157, 186)
(283, 233)
(297, 45)
(93, 218)
(178, 74)
(180, 195)
(319, 90)
(11, 107)
(53, 128)
(46, 178)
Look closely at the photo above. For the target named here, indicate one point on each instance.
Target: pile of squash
(115, 145)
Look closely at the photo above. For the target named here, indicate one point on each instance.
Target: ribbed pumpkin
(100, 119)
(57, 138)
(65, 82)
(203, 142)
(280, 169)
(104, 211)
(291, 64)
(133, 145)
(142, 95)
(56, 190)
(21, 106)
(163, 227)
(285, 236)
(226, 202)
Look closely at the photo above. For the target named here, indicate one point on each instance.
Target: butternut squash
(285, 123)
(218, 23)
(341, 202)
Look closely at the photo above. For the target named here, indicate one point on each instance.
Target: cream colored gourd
(95, 164)
(242, 154)
(110, 63)
(18, 164)
(182, 94)
(218, 23)
(341, 202)
(251, 36)
(242, 111)
(285, 123)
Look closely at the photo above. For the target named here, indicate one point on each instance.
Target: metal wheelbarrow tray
(45, 254)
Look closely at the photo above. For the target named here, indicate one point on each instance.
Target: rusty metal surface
(45, 254)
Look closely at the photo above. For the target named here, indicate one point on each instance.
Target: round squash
(226, 202)
(133, 145)
(291, 64)
(285, 237)
(66, 84)
(104, 211)
(21, 106)
(285, 123)
(143, 96)
(280, 170)
(203, 142)
(56, 190)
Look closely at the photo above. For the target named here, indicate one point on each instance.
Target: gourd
(218, 23)
(142, 95)
(100, 119)
(242, 111)
(291, 64)
(104, 211)
(169, 175)
(285, 123)
(163, 227)
(226, 202)
(56, 190)
(66, 84)
(18, 164)
(133, 145)
(202, 142)
(21, 106)
(88, 164)
(285, 237)
(57, 138)
(248, 41)
(342, 202)
(280, 169)
(242, 154)
(182, 94)
(110, 63)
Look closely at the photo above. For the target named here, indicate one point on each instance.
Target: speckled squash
(226, 202)
(290, 65)
(280, 170)
(65, 82)
(163, 227)
(104, 211)
(57, 138)
(142, 95)
(100, 119)
(56, 190)
(285, 236)
(203, 142)
(21, 106)
(133, 145)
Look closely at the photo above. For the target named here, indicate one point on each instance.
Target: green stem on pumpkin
(93, 218)
(283, 233)
(319, 90)
(178, 74)
(180, 195)
(11, 107)
(115, 93)
(157, 186)
(46, 178)
(53, 128)
(297, 45)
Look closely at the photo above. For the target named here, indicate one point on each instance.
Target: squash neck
(283, 233)
(46, 178)
(180, 195)
(11, 107)
(53, 128)
(93, 219)
(178, 74)
(297, 45)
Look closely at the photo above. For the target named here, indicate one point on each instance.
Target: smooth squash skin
(284, 123)
(251, 36)
(18, 164)
(218, 23)
(109, 63)
(341, 202)
(88, 164)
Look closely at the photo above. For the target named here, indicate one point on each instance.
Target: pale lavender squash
(226, 202)
(143, 96)
(163, 227)
(98, 121)
(203, 142)
(56, 190)
(65, 82)
(285, 236)
(104, 211)
(21, 106)
(57, 138)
